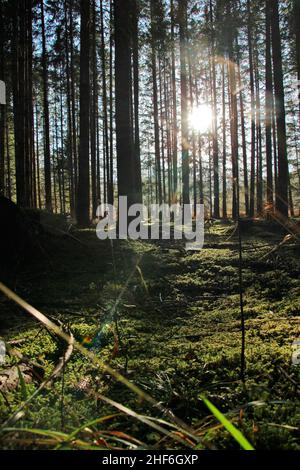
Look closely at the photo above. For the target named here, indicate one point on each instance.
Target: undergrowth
(175, 333)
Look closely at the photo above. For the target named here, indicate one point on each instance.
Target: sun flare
(201, 118)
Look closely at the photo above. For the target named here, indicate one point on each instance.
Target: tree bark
(83, 194)
(123, 93)
(135, 62)
(47, 158)
(2, 109)
(184, 103)
(268, 111)
(252, 114)
(282, 183)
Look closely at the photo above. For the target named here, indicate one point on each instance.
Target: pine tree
(83, 194)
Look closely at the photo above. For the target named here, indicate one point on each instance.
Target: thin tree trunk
(109, 180)
(224, 175)
(155, 103)
(184, 104)
(62, 144)
(111, 102)
(252, 114)
(38, 158)
(282, 184)
(259, 177)
(216, 210)
(73, 106)
(69, 111)
(8, 167)
(297, 30)
(83, 194)
(2, 109)
(47, 158)
(94, 102)
(135, 61)
(174, 107)
(123, 92)
(234, 133)
(268, 111)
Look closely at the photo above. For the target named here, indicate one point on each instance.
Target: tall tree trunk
(109, 177)
(193, 137)
(83, 194)
(182, 13)
(73, 106)
(47, 158)
(162, 130)
(135, 61)
(39, 196)
(123, 92)
(244, 148)
(69, 111)
(233, 130)
(155, 102)
(297, 29)
(224, 176)
(111, 101)
(243, 132)
(18, 80)
(252, 114)
(216, 211)
(30, 157)
(282, 184)
(174, 105)
(201, 183)
(62, 147)
(94, 101)
(268, 111)
(259, 176)
(167, 111)
(2, 109)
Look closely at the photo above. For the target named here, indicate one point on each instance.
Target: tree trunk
(2, 109)
(184, 103)
(252, 114)
(282, 184)
(47, 160)
(155, 103)
(297, 29)
(259, 177)
(268, 111)
(69, 113)
(135, 61)
(123, 92)
(109, 177)
(233, 130)
(94, 101)
(216, 211)
(73, 106)
(174, 106)
(224, 175)
(83, 194)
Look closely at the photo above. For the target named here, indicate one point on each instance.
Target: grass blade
(236, 434)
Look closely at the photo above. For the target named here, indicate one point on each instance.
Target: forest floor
(172, 326)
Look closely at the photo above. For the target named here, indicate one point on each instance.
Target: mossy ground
(179, 327)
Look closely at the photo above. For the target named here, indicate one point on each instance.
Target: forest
(115, 333)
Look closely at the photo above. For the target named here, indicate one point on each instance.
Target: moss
(177, 338)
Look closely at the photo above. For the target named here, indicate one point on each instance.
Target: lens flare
(200, 118)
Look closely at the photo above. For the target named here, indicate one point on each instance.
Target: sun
(200, 118)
